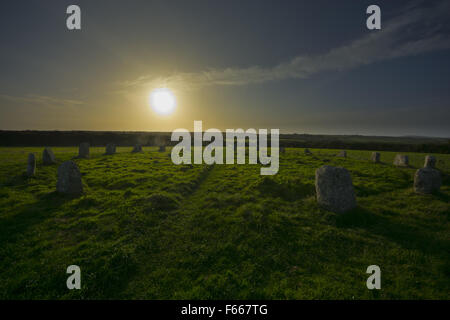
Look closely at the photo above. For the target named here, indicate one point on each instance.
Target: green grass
(148, 229)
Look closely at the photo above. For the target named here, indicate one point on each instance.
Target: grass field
(148, 229)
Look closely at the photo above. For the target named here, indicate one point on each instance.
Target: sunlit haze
(304, 66)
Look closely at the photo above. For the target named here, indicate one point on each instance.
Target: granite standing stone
(430, 162)
(83, 151)
(69, 179)
(110, 148)
(342, 154)
(48, 157)
(334, 189)
(31, 165)
(427, 180)
(375, 157)
(137, 148)
(401, 160)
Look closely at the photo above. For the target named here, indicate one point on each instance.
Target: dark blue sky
(301, 66)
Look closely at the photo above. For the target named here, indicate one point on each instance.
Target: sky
(298, 66)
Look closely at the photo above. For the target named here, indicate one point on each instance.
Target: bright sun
(162, 101)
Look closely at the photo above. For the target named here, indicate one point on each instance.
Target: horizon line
(284, 133)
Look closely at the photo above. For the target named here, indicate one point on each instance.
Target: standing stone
(427, 180)
(334, 189)
(83, 151)
(282, 150)
(162, 148)
(137, 148)
(307, 152)
(375, 157)
(69, 179)
(31, 165)
(342, 154)
(401, 160)
(48, 157)
(430, 162)
(110, 148)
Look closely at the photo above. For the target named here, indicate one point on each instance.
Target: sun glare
(163, 101)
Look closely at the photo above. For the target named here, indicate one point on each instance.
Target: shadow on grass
(32, 214)
(445, 179)
(17, 181)
(290, 190)
(443, 197)
(364, 191)
(400, 183)
(412, 238)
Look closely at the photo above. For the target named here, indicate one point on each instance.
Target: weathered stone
(342, 154)
(334, 189)
(427, 180)
(375, 157)
(162, 148)
(31, 165)
(110, 148)
(83, 150)
(69, 179)
(307, 151)
(430, 162)
(48, 157)
(137, 148)
(401, 160)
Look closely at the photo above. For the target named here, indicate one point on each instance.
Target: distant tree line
(74, 138)
(369, 145)
(127, 138)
